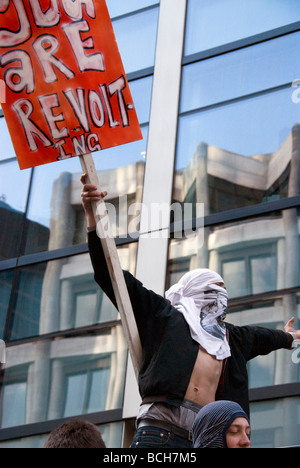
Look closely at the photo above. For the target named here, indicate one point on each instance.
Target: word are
(21, 75)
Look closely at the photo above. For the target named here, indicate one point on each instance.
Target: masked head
(202, 299)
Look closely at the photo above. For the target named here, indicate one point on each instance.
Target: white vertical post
(158, 182)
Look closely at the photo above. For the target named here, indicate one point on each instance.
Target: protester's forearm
(90, 219)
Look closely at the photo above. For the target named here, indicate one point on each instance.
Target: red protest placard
(66, 89)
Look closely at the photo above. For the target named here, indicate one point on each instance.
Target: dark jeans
(154, 437)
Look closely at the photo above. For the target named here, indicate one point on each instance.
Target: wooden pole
(113, 263)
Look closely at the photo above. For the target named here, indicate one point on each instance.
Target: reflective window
(239, 154)
(61, 295)
(141, 91)
(241, 72)
(280, 367)
(67, 377)
(86, 392)
(254, 257)
(136, 38)
(239, 125)
(211, 23)
(6, 281)
(14, 185)
(250, 271)
(55, 215)
(111, 434)
(6, 149)
(27, 302)
(275, 423)
(14, 396)
(119, 7)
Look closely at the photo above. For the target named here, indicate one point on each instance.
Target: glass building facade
(216, 87)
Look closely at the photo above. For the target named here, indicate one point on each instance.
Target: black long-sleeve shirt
(170, 353)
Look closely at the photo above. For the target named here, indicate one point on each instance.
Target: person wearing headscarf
(221, 424)
(201, 299)
(190, 355)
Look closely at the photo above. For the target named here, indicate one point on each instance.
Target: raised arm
(145, 303)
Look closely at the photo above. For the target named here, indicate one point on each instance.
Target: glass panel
(55, 214)
(14, 186)
(263, 273)
(136, 38)
(71, 376)
(236, 271)
(254, 256)
(6, 280)
(280, 367)
(241, 72)
(6, 149)
(98, 389)
(141, 91)
(276, 423)
(14, 396)
(87, 392)
(239, 154)
(54, 296)
(212, 23)
(119, 7)
(76, 385)
(111, 434)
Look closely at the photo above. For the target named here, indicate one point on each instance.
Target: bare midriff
(205, 379)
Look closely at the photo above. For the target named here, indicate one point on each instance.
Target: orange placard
(66, 92)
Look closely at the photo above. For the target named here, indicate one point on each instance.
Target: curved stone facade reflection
(63, 377)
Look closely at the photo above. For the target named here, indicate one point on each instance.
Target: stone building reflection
(254, 256)
(53, 378)
(82, 371)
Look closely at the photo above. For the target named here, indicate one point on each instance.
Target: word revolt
(66, 89)
(88, 107)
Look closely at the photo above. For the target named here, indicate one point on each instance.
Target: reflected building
(221, 181)
(254, 256)
(220, 128)
(66, 373)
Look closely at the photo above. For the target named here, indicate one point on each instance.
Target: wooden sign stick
(113, 263)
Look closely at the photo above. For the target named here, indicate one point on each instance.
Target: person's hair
(75, 434)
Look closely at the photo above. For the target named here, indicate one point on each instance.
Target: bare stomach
(205, 379)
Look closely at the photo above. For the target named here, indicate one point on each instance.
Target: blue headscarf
(212, 423)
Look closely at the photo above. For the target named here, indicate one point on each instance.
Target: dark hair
(75, 434)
